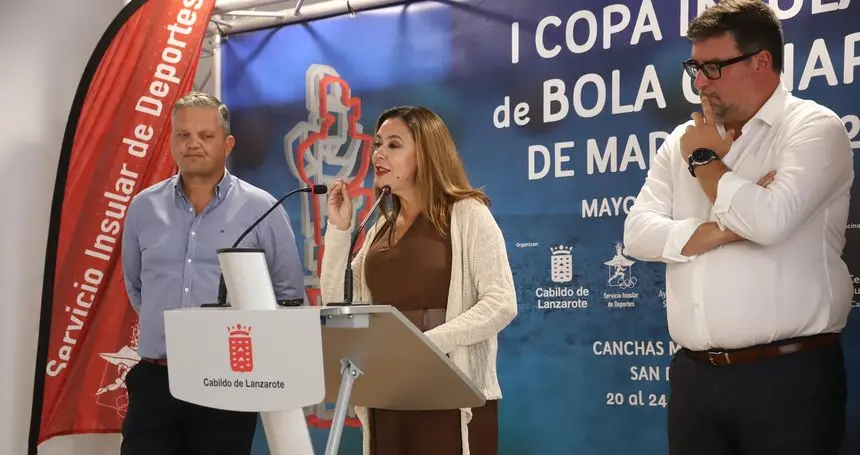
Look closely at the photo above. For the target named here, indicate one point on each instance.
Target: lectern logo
(241, 349)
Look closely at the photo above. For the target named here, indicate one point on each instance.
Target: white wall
(204, 79)
(45, 45)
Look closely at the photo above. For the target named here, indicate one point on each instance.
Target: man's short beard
(721, 112)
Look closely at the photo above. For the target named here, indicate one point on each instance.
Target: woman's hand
(339, 205)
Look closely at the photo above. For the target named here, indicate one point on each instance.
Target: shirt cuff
(727, 186)
(678, 238)
(331, 229)
(440, 341)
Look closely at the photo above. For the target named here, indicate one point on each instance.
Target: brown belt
(162, 362)
(755, 353)
(426, 319)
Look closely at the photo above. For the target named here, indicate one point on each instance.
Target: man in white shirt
(747, 204)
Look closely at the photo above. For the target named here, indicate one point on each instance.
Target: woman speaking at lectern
(436, 254)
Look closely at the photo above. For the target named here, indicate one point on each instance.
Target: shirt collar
(769, 111)
(221, 188)
(774, 107)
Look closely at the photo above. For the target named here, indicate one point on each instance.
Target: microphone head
(319, 189)
(386, 189)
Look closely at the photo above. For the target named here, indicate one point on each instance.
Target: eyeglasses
(713, 70)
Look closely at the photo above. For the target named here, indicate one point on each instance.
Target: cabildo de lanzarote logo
(241, 356)
(241, 348)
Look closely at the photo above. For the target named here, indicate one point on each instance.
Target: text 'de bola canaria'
(574, 103)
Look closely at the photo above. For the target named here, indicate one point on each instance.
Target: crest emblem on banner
(561, 264)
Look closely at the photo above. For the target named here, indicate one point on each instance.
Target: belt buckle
(712, 355)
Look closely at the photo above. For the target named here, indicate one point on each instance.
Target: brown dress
(413, 276)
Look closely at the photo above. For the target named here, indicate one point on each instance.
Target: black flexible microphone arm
(222, 286)
(347, 275)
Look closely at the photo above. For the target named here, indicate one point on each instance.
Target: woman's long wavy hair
(440, 176)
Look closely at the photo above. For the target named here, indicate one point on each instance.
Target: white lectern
(253, 356)
(282, 359)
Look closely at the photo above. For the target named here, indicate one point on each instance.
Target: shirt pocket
(162, 248)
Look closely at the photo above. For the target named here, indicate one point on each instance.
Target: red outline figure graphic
(330, 145)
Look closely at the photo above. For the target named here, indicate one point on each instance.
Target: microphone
(347, 274)
(222, 286)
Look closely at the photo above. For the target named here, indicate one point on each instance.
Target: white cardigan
(481, 297)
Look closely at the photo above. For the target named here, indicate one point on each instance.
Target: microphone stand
(222, 286)
(347, 274)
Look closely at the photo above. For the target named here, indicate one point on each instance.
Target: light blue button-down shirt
(169, 252)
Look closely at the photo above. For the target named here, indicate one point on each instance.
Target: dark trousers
(783, 405)
(434, 432)
(158, 423)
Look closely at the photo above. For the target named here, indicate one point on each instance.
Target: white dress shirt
(788, 278)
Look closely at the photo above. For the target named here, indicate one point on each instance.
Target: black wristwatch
(700, 157)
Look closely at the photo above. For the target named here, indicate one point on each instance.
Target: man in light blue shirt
(172, 232)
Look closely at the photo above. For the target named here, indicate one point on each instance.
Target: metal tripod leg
(349, 373)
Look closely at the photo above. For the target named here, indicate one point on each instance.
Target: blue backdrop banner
(557, 109)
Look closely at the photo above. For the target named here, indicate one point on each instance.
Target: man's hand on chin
(703, 133)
